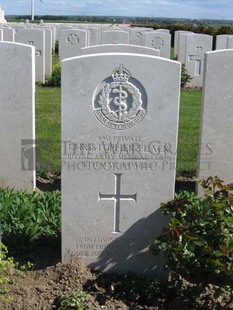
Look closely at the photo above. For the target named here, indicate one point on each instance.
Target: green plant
(55, 79)
(198, 240)
(56, 49)
(185, 77)
(26, 217)
(73, 301)
(6, 266)
(139, 289)
(8, 270)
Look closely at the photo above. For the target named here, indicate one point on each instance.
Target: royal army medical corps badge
(120, 102)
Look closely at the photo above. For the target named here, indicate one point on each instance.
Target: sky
(192, 9)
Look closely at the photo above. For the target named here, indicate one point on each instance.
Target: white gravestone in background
(196, 46)
(119, 48)
(221, 42)
(17, 120)
(119, 136)
(135, 36)
(230, 42)
(94, 35)
(216, 144)
(48, 50)
(34, 37)
(8, 34)
(114, 37)
(181, 45)
(71, 41)
(158, 40)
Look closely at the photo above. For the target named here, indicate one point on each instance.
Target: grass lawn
(48, 127)
(188, 138)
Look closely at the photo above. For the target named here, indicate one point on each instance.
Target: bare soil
(42, 287)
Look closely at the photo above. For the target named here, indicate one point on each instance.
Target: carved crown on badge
(121, 74)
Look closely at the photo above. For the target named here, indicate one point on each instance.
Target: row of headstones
(72, 40)
(189, 48)
(43, 37)
(119, 140)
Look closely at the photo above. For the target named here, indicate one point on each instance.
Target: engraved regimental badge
(120, 102)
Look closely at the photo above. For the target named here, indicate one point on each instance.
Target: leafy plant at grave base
(8, 268)
(27, 217)
(56, 47)
(6, 265)
(198, 240)
(73, 301)
(55, 78)
(138, 289)
(185, 77)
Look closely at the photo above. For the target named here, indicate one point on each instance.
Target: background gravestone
(196, 46)
(181, 45)
(17, 123)
(114, 37)
(8, 34)
(71, 41)
(230, 42)
(221, 41)
(216, 145)
(116, 48)
(158, 40)
(48, 50)
(135, 36)
(34, 37)
(118, 158)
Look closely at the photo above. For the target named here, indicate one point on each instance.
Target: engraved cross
(117, 197)
(198, 58)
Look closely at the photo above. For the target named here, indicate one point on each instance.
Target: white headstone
(158, 40)
(118, 158)
(48, 50)
(196, 46)
(35, 37)
(216, 145)
(94, 35)
(71, 41)
(8, 34)
(119, 48)
(221, 42)
(163, 30)
(17, 120)
(135, 36)
(230, 42)
(114, 37)
(181, 46)
(176, 43)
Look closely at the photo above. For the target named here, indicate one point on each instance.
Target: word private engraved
(120, 102)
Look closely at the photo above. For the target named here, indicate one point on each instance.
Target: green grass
(48, 126)
(188, 139)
